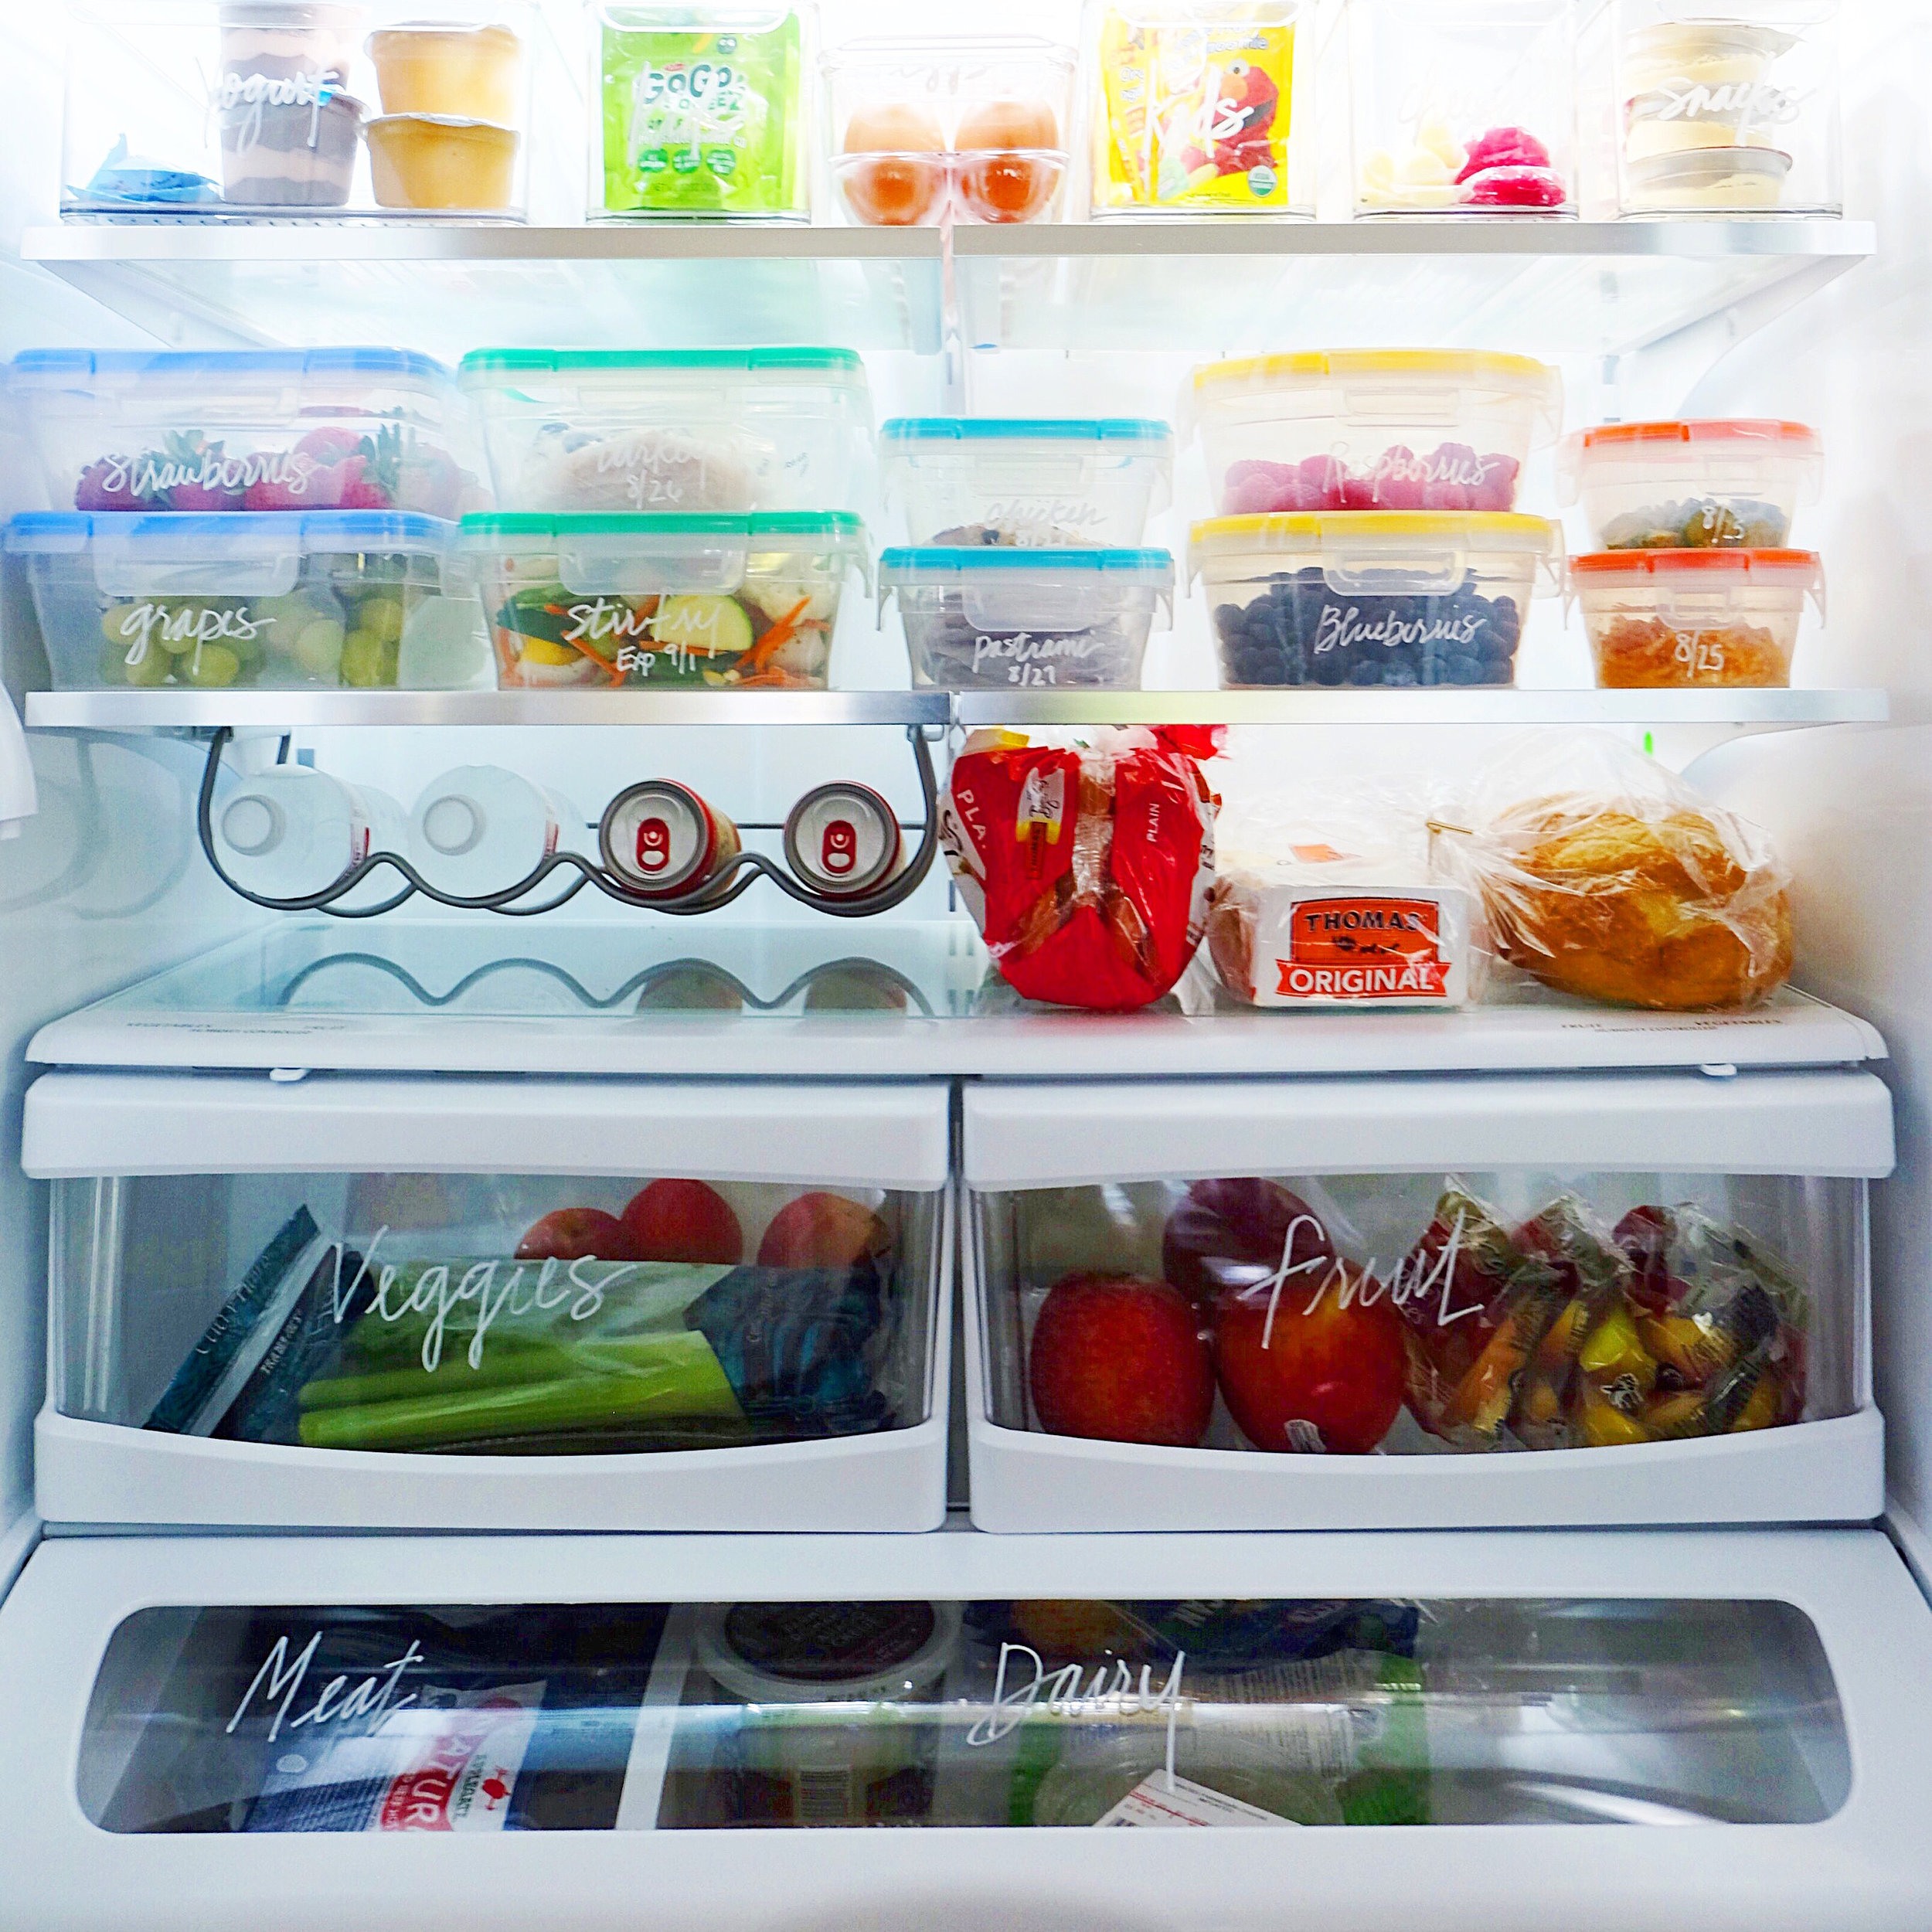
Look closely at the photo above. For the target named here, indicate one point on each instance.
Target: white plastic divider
(1039, 1135)
(891, 1134)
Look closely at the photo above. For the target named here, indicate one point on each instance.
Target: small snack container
(700, 111)
(449, 67)
(439, 163)
(359, 598)
(315, 429)
(697, 602)
(1733, 484)
(981, 129)
(1032, 619)
(1034, 482)
(674, 432)
(1734, 111)
(1712, 618)
(1461, 110)
(1201, 107)
(1372, 429)
(1386, 598)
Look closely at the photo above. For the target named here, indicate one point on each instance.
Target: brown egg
(904, 185)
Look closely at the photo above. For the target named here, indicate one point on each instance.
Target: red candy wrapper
(1087, 871)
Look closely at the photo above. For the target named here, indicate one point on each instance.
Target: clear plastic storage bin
(1201, 107)
(704, 603)
(355, 597)
(315, 429)
(1467, 108)
(1730, 110)
(537, 1303)
(1373, 429)
(672, 431)
(1386, 598)
(701, 111)
(917, 129)
(259, 110)
(1034, 482)
(1732, 483)
(1663, 619)
(1031, 620)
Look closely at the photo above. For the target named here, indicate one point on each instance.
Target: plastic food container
(1201, 107)
(318, 429)
(448, 67)
(1732, 484)
(698, 603)
(1728, 113)
(339, 597)
(1373, 429)
(290, 129)
(700, 110)
(1033, 482)
(1030, 620)
(672, 431)
(1667, 619)
(916, 128)
(434, 161)
(1381, 598)
(1463, 110)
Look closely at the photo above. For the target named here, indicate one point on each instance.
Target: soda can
(842, 840)
(663, 842)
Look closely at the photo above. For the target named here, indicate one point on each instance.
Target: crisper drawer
(600, 1733)
(493, 1303)
(1420, 1303)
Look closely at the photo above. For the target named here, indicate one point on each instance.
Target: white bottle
(479, 828)
(289, 831)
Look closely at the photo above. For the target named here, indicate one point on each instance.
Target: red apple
(577, 1234)
(1122, 1359)
(684, 1221)
(1323, 1368)
(822, 1231)
(1232, 1234)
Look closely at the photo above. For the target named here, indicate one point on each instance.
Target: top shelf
(1540, 287)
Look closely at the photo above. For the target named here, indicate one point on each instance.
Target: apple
(577, 1234)
(822, 1231)
(1232, 1234)
(1315, 1367)
(1121, 1358)
(684, 1221)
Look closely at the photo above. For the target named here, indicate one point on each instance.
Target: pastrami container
(663, 842)
(842, 840)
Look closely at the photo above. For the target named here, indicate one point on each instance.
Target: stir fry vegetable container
(1382, 598)
(1733, 482)
(1038, 483)
(360, 598)
(672, 431)
(1037, 620)
(699, 602)
(1712, 617)
(1372, 429)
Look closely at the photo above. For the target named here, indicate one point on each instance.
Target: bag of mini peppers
(1087, 870)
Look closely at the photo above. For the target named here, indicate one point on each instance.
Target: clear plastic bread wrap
(1602, 873)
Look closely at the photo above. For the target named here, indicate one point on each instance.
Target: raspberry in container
(1713, 618)
(977, 130)
(1372, 429)
(1033, 482)
(1464, 109)
(1732, 482)
(1384, 599)
(672, 431)
(692, 603)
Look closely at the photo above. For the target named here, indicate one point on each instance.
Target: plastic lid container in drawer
(1671, 618)
(1666, 486)
(1373, 598)
(1372, 429)
(996, 619)
(1037, 483)
(703, 603)
(672, 431)
(316, 428)
(355, 597)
